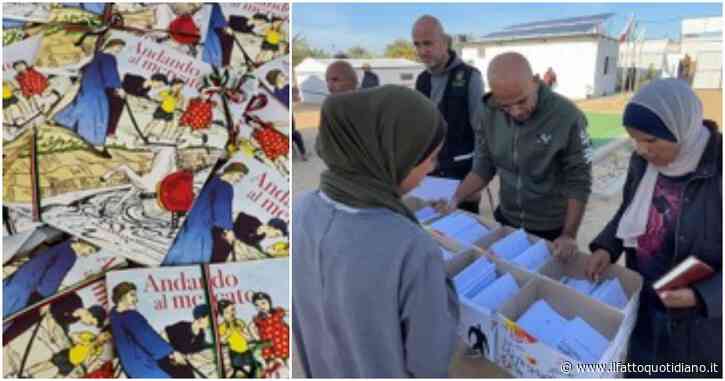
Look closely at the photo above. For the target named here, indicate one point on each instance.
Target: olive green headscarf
(370, 141)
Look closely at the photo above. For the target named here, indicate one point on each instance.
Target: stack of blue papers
(512, 245)
(534, 257)
(584, 286)
(582, 342)
(461, 227)
(575, 338)
(497, 293)
(609, 291)
(480, 273)
(544, 323)
(426, 214)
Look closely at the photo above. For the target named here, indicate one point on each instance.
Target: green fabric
(370, 140)
(541, 163)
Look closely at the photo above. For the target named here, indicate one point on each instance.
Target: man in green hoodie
(536, 141)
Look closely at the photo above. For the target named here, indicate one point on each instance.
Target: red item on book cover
(686, 273)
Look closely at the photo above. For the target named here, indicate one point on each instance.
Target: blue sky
(339, 26)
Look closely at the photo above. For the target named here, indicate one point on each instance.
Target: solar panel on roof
(558, 30)
(598, 18)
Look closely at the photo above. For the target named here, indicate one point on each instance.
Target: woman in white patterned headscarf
(671, 210)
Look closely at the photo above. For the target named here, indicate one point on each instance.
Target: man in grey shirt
(457, 89)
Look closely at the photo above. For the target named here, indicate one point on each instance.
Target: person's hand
(596, 263)
(444, 206)
(121, 93)
(564, 247)
(229, 236)
(680, 298)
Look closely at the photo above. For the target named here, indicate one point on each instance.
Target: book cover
(251, 306)
(259, 32)
(31, 278)
(67, 336)
(686, 273)
(205, 321)
(127, 185)
(160, 319)
(241, 214)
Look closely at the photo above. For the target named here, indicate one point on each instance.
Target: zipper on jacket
(519, 184)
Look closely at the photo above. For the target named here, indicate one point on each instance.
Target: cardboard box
(478, 326)
(502, 231)
(576, 268)
(523, 355)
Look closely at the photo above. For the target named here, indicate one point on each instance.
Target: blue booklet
(543, 322)
(512, 245)
(497, 293)
(534, 257)
(479, 273)
(582, 342)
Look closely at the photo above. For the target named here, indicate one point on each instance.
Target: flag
(628, 28)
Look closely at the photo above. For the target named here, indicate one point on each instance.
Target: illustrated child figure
(275, 241)
(85, 349)
(189, 339)
(272, 328)
(273, 143)
(32, 83)
(280, 85)
(162, 125)
(236, 335)
(156, 84)
(13, 108)
(199, 113)
(272, 38)
(55, 320)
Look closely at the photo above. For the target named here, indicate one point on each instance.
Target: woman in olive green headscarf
(370, 293)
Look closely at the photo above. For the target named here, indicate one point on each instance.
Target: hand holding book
(680, 298)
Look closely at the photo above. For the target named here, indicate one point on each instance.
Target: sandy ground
(305, 177)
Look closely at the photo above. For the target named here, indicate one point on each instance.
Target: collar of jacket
(453, 62)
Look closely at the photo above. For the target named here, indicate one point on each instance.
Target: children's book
(127, 184)
(259, 32)
(207, 321)
(66, 336)
(33, 277)
(241, 214)
(23, 242)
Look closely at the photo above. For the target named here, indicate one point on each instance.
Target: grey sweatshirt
(371, 296)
